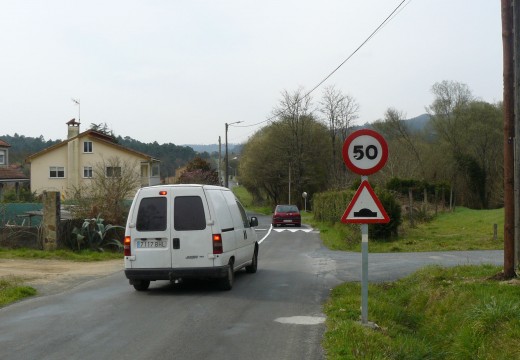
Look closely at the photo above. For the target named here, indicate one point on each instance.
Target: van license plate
(142, 244)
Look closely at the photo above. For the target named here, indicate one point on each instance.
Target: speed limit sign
(365, 152)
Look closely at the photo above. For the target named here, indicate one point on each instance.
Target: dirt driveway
(53, 276)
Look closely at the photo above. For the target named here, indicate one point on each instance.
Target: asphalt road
(273, 314)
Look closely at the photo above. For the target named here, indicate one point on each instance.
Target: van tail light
(126, 246)
(217, 244)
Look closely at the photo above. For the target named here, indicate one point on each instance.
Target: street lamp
(226, 180)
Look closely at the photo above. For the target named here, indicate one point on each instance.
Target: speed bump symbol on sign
(365, 207)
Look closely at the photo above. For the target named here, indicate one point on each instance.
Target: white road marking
(266, 235)
(293, 230)
(280, 230)
(301, 320)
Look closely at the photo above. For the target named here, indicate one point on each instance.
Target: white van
(188, 231)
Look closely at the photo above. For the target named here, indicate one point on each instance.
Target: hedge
(330, 206)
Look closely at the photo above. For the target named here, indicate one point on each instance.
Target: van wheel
(254, 264)
(226, 283)
(141, 285)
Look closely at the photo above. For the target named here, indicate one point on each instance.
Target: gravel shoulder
(54, 276)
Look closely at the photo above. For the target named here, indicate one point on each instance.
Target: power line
(385, 21)
(388, 18)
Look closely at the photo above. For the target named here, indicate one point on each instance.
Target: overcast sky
(177, 71)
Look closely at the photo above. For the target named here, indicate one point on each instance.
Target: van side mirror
(253, 221)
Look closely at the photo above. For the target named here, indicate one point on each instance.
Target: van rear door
(191, 232)
(150, 231)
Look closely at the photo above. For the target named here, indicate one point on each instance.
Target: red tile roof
(92, 133)
(12, 173)
(4, 143)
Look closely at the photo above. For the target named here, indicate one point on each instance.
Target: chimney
(73, 128)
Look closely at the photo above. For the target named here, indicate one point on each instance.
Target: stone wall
(51, 219)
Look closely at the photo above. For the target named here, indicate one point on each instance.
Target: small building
(10, 175)
(72, 164)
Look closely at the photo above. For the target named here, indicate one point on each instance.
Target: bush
(93, 235)
(393, 209)
(330, 206)
(402, 186)
(24, 195)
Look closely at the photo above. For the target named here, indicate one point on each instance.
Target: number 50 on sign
(365, 152)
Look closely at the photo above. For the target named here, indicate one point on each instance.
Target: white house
(71, 164)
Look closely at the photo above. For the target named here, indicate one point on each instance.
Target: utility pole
(219, 160)
(516, 127)
(289, 184)
(226, 180)
(509, 136)
(226, 160)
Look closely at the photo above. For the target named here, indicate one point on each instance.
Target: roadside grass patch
(83, 255)
(12, 289)
(463, 229)
(435, 313)
(339, 236)
(246, 199)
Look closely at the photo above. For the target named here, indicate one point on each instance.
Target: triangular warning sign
(365, 207)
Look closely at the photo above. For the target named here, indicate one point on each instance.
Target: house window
(87, 146)
(113, 171)
(144, 170)
(56, 172)
(2, 157)
(155, 170)
(87, 171)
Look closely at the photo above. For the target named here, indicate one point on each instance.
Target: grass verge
(84, 255)
(436, 313)
(246, 199)
(463, 229)
(12, 289)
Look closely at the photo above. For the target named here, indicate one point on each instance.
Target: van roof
(209, 187)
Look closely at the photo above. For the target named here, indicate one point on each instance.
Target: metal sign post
(365, 152)
(364, 273)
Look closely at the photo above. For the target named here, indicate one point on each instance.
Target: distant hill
(213, 148)
(418, 123)
(22, 146)
(205, 148)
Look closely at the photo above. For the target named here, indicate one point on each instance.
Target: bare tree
(472, 129)
(396, 129)
(450, 98)
(294, 116)
(113, 181)
(265, 162)
(340, 111)
(298, 148)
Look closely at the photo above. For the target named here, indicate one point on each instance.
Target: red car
(287, 215)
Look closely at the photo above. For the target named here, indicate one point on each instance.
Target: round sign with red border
(365, 152)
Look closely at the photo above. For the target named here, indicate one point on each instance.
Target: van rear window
(188, 213)
(151, 215)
